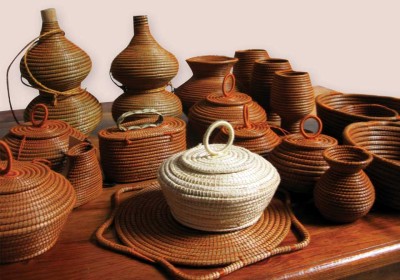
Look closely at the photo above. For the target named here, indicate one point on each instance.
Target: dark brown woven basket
(34, 205)
(299, 158)
(134, 151)
(382, 139)
(344, 193)
(336, 111)
(44, 139)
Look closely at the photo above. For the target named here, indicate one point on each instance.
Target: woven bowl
(382, 139)
(217, 187)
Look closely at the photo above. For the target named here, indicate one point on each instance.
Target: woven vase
(261, 83)
(258, 138)
(292, 98)
(217, 187)
(299, 158)
(56, 67)
(345, 193)
(84, 172)
(226, 106)
(244, 68)
(133, 151)
(34, 205)
(43, 139)
(208, 73)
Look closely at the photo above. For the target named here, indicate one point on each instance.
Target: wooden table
(366, 249)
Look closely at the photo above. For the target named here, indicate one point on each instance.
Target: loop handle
(140, 126)
(9, 157)
(35, 110)
(308, 135)
(227, 93)
(246, 116)
(121, 86)
(172, 87)
(208, 133)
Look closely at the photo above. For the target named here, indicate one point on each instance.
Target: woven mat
(148, 230)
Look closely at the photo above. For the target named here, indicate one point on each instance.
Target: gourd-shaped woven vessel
(34, 205)
(44, 139)
(299, 158)
(217, 187)
(144, 69)
(256, 137)
(345, 193)
(57, 67)
(227, 106)
(209, 72)
(133, 151)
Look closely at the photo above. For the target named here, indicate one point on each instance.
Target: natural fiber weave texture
(208, 74)
(149, 232)
(382, 140)
(331, 109)
(34, 205)
(217, 187)
(344, 193)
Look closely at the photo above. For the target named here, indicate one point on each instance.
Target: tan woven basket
(382, 139)
(34, 205)
(218, 187)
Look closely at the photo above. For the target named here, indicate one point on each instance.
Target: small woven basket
(133, 151)
(34, 205)
(218, 187)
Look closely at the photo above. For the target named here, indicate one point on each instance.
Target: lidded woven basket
(34, 205)
(217, 187)
(44, 139)
(133, 151)
(299, 158)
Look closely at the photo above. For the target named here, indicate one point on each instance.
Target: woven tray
(145, 225)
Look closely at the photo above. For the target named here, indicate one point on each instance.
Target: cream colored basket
(218, 187)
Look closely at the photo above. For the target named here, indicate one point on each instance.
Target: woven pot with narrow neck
(34, 205)
(299, 158)
(208, 73)
(133, 151)
(226, 106)
(292, 98)
(244, 68)
(345, 193)
(382, 140)
(44, 139)
(261, 83)
(217, 187)
(256, 137)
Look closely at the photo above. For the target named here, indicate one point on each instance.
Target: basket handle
(140, 126)
(9, 157)
(121, 86)
(308, 135)
(35, 109)
(228, 93)
(210, 129)
(246, 116)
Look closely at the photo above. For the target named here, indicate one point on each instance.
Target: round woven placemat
(145, 225)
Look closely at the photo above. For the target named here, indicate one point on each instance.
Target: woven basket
(258, 138)
(345, 193)
(382, 139)
(34, 205)
(334, 108)
(228, 106)
(133, 151)
(244, 68)
(208, 74)
(299, 158)
(261, 83)
(42, 139)
(217, 187)
(84, 172)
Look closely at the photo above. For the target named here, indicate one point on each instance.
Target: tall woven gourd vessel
(34, 205)
(208, 73)
(56, 67)
(144, 69)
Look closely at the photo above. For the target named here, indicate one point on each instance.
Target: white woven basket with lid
(218, 187)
